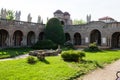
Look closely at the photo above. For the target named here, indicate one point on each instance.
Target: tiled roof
(106, 18)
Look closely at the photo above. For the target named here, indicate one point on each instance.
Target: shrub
(54, 31)
(72, 55)
(69, 45)
(31, 59)
(92, 48)
(45, 44)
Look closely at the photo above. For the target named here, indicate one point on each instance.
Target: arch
(67, 37)
(95, 36)
(3, 38)
(77, 39)
(41, 36)
(18, 37)
(62, 22)
(115, 40)
(30, 38)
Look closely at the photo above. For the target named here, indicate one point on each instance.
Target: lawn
(12, 52)
(55, 68)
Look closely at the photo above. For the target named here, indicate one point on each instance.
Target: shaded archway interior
(95, 36)
(77, 39)
(3, 37)
(30, 38)
(41, 36)
(67, 37)
(18, 37)
(116, 40)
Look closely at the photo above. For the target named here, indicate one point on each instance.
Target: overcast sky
(77, 8)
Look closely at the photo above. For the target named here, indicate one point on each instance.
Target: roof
(58, 12)
(66, 13)
(106, 18)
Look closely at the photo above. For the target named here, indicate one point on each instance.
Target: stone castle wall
(106, 31)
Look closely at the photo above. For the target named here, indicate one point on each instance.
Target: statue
(39, 19)
(88, 18)
(29, 18)
(17, 15)
(4, 14)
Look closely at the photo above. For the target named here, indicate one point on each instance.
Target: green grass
(103, 57)
(12, 52)
(54, 68)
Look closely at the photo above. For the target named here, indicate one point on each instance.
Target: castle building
(18, 33)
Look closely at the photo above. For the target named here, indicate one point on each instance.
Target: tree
(10, 15)
(54, 31)
(76, 22)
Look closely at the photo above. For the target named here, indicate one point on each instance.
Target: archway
(77, 39)
(41, 36)
(95, 36)
(18, 37)
(30, 38)
(3, 37)
(67, 37)
(116, 40)
(62, 22)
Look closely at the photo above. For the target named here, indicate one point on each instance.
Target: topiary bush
(69, 45)
(31, 59)
(92, 48)
(45, 44)
(71, 55)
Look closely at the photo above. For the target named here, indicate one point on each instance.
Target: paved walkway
(17, 57)
(107, 73)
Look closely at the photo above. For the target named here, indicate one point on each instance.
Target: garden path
(107, 73)
(17, 57)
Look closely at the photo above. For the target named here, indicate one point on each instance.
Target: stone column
(72, 38)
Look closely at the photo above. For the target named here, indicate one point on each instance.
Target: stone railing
(5, 22)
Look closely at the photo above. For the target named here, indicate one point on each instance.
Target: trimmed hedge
(45, 44)
(31, 59)
(71, 55)
(92, 48)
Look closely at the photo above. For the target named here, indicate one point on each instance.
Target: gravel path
(17, 57)
(107, 73)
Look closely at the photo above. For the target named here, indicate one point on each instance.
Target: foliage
(20, 70)
(17, 69)
(45, 44)
(69, 45)
(54, 31)
(72, 55)
(92, 48)
(12, 52)
(77, 22)
(10, 15)
(31, 59)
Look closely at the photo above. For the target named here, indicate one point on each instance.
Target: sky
(77, 8)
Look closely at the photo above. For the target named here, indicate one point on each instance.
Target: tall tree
(77, 22)
(10, 15)
(54, 31)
